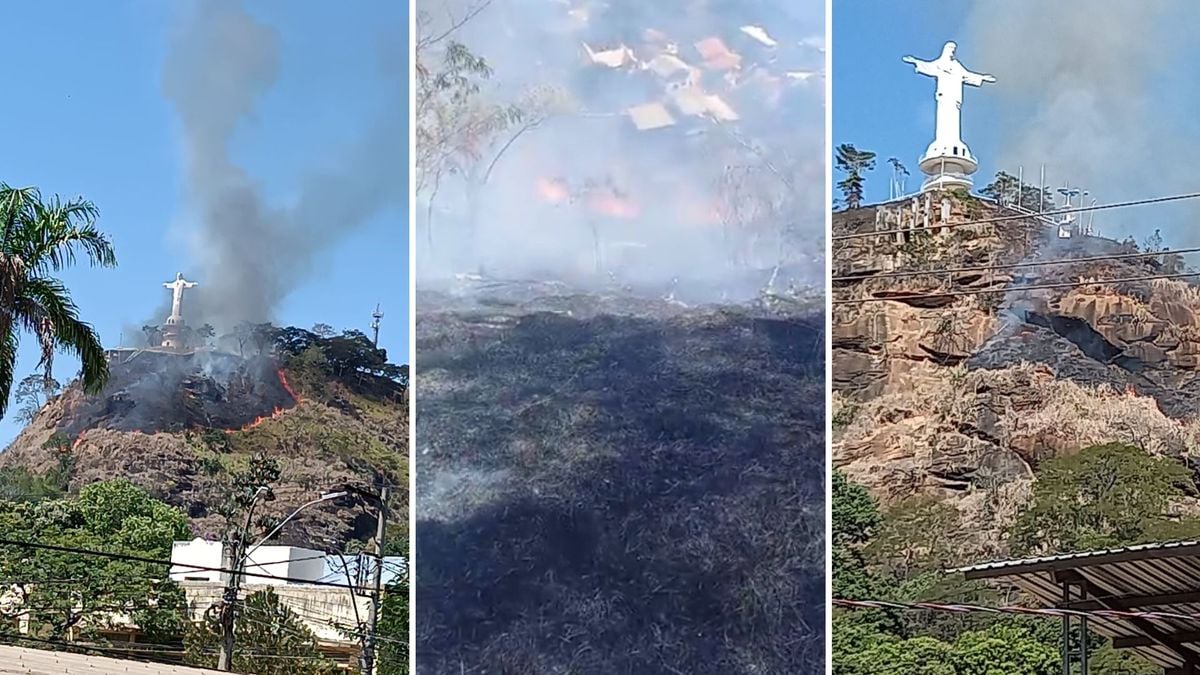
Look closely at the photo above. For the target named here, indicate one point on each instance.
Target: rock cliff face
(963, 394)
(179, 425)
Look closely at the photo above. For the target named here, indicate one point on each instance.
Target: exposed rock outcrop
(970, 386)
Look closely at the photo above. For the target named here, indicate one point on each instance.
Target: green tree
(33, 391)
(64, 592)
(1004, 649)
(41, 238)
(1103, 496)
(269, 640)
(854, 163)
(915, 536)
(855, 512)
(1006, 189)
(915, 656)
(393, 629)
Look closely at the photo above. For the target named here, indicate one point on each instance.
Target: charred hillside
(950, 380)
(615, 484)
(330, 411)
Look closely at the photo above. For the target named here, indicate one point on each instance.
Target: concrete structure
(197, 552)
(291, 564)
(319, 607)
(947, 161)
(22, 661)
(172, 328)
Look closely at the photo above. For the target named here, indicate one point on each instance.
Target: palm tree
(37, 239)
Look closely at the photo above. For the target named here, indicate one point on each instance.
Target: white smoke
(1084, 88)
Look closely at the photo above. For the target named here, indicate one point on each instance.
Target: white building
(201, 560)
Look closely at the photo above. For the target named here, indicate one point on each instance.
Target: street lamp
(239, 557)
(323, 498)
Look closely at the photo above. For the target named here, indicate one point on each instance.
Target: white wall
(196, 552)
(284, 561)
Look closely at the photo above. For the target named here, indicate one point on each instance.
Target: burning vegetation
(329, 408)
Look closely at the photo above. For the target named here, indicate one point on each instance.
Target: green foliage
(855, 512)
(916, 536)
(1005, 187)
(17, 484)
(41, 238)
(270, 640)
(349, 358)
(854, 163)
(845, 415)
(1103, 496)
(32, 393)
(113, 516)
(393, 629)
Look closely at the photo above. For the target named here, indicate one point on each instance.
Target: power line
(1035, 263)
(1020, 216)
(1012, 289)
(169, 563)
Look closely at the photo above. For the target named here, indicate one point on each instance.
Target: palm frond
(9, 341)
(44, 306)
(50, 235)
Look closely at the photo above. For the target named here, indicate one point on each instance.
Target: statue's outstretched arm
(976, 79)
(922, 67)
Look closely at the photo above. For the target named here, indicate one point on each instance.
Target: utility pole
(367, 660)
(229, 601)
(233, 584)
(375, 317)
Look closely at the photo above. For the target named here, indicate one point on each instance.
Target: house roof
(1161, 578)
(24, 661)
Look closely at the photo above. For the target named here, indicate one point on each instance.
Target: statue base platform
(948, 171)
(947, 181)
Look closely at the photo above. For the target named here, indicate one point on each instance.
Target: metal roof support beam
(1191, 660)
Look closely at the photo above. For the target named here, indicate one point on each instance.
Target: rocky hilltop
(961, 394)
(180, 425)
(617, 483)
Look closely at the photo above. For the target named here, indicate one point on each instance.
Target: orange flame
(611, 204)
(553, 190)
(287, 387)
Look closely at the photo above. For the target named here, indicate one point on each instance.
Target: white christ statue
(951, 76)
(177, 287)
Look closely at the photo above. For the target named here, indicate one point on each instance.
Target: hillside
(618, 484)
(961, 397)
(182, 425)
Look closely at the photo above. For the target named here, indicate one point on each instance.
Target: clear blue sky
(86, 117)
(879, 103)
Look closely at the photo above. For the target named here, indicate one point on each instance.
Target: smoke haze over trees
(521, 137)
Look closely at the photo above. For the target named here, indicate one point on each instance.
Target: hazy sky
(86, 116)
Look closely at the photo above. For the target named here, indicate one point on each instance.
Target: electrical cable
(1020, 216)
(1034, 263)
(1014, 289)
(153, 561)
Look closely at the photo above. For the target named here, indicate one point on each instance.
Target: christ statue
(951, 76)
(177, 287)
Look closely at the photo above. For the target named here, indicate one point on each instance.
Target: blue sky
(89, 119)
(880, 104)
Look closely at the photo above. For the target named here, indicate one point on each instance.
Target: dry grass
(644, 495)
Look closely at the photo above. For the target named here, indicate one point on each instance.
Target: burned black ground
(613, 485)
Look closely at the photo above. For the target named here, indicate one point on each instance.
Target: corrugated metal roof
(1161, 577)
(22, 661)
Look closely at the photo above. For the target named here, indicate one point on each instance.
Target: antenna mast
(375, 317)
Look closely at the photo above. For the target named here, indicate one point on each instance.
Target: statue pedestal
(947, 167)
